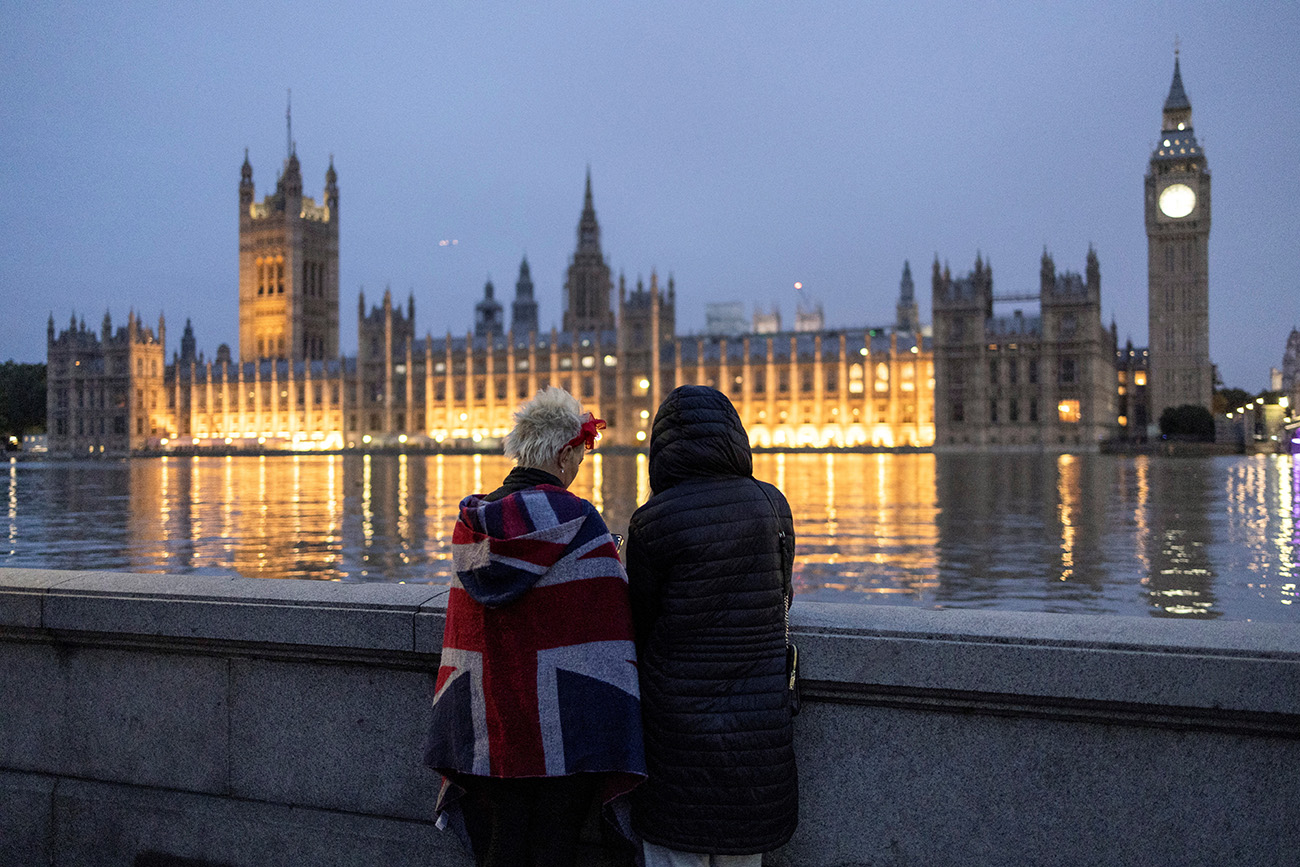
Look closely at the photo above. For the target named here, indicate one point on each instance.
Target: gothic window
(1013, 370)
(958, 411)
(1013, 410)
(993, 411)
(1169, 257)
(855, 379)
(1067, 371)
(832, 379)
(993, 371)
(1033, 409)
(1033, 371)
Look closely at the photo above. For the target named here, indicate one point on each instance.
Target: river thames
(1188, 537)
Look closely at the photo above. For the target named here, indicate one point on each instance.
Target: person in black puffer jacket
(709, 590)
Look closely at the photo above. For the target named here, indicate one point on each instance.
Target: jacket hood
(501, 548)
(697, 433)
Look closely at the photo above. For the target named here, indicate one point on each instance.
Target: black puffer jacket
(708, 598)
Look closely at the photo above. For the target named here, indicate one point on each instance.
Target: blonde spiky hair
(543, 426)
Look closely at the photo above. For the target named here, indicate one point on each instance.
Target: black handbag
(793, 685)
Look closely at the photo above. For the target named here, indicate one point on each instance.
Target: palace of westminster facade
(1052, 380)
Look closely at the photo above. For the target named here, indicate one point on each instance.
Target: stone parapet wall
(253, 722)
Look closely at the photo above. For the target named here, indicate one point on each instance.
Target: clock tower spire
(1178, 231)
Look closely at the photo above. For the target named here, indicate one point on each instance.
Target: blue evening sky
(739, 146)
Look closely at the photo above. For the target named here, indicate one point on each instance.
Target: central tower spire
(586, 291)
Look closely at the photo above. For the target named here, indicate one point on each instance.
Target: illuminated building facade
(1043, 381)
(289, 389)
(288, 268)
(1132, 400)
(105, 393)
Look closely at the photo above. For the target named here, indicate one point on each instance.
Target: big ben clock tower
(1178, 231)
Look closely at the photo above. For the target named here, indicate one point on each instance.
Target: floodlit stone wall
(150, 718)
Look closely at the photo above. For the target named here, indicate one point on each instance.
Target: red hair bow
(589, 432)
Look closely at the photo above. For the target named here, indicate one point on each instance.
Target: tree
(22, 400)
(1187, 422)
(1228, 399)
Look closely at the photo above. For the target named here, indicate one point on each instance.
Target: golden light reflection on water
(1067, 493)
(1142, 466)
(1186, 538)
(864, 524)
(13, 506)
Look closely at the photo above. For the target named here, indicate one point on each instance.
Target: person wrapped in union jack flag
(536, 707)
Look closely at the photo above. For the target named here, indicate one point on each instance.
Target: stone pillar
(819, 386)
(770, 388)
(408, 415)
(846, 417)
(724, 376)
(427, 423)
(309, 421)
(449, 387)
(532, 364)
(511, 377)
(470, 408)
(747, 413)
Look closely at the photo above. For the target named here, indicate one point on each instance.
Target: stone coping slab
(367, 616)
(1239, 666)
(1148, 634)
(1220, 666)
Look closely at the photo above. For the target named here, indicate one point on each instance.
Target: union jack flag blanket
(538, 673)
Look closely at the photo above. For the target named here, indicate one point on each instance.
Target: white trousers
(658, 856)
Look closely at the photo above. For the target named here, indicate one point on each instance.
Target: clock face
(1177, 200)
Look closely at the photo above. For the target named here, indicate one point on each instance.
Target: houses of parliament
(1052, 379)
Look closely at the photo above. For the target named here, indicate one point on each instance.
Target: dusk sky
(740, 147)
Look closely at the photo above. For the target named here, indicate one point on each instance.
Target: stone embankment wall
(153, 720)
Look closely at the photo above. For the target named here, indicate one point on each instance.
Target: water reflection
(1188, 538)
(1181, 578)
